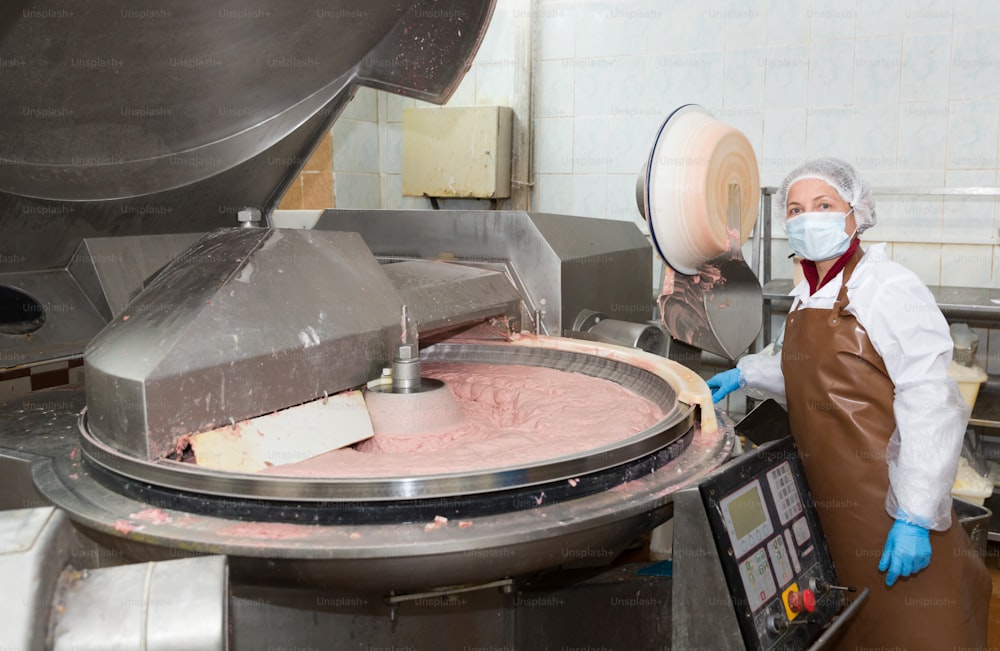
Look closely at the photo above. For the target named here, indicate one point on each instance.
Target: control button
(819, 585)
(795, 601)
(809, 600)
(802, 601)
(776, 624)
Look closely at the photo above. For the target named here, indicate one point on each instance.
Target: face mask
(818, 235)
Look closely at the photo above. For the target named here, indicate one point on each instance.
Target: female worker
(877, 421)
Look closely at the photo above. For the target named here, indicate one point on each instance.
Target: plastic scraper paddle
(285, 436)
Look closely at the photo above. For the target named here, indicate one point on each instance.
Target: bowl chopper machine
(123, 251)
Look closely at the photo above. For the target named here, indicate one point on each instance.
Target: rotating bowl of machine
(415, 529)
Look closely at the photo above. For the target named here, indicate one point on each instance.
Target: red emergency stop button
(799, 601)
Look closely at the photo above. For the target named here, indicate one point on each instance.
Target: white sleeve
(761, 376)
(911, 335)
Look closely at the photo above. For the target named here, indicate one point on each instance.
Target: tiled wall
(908, 90)
(313, 187)
(21, 381)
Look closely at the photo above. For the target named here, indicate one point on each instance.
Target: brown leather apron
(840, 410)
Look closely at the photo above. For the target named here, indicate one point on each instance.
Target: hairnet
(841, 177)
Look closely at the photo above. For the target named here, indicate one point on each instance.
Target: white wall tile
(621, 199)
(592, 81)
(781, 263)
(465, 94)
(391, 106)
(355, 146)
(975, 64)
(495, 82)
(628, 89)
(976, 14)
(668, 27)
(553, 88)
(590, 145)
(706, 25)
(875, 134)
(555, 25)
(923, 135)
(922, 259)
(832, 19)
(553, 144)
(744, 79)
(966, 265)
(825, 132)
(995, 282)
(357, 191)
(590, 195)
(877, 64)
(703, 78)
(786, 76)
(970, 218)
(784, 142)
(928, 16)
(918, 218)
(628, 145)
(746, 24)
(880, 17)
(553, 193)
(391, 144)
(393, 199)
(890, 221)
(363, 106)
(607, 28)
(788, 22)
(498, 43)
(666, 78)
(926, 67)
(831, 73)
(972, 134)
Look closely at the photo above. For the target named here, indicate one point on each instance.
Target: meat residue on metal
(125, 527)
(153, 516)
(682, 308)
(267, 531)
(513, 415)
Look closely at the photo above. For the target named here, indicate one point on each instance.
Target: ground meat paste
(510, 416)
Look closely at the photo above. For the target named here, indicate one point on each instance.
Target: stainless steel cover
(169, 117)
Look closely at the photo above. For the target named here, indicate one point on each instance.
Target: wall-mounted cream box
(457, 152)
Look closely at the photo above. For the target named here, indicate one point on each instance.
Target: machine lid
(171, 116)
(685, 187)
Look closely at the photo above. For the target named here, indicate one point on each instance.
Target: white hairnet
(841, 177)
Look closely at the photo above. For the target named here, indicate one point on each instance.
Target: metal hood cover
(245, 322)
(145, 117)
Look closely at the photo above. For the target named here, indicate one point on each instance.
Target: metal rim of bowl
(678, 420)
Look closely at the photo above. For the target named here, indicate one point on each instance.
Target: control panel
(773, 553)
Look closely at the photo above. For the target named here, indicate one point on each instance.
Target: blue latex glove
(907, 551)
(722, 384)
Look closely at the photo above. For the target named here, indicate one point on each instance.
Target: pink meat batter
(153, 516)
(267, 531)
(513, 416)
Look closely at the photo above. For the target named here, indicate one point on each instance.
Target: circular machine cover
(693, 161)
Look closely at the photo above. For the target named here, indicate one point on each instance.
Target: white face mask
(819, 236)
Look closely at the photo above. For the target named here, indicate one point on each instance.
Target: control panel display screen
(746, 518)
(770, 544)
